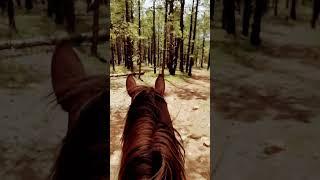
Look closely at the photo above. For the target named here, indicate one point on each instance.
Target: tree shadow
(246, 104)
(306, 54)
(187, 93)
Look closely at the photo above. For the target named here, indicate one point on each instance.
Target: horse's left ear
(160, 85)
(130, 84)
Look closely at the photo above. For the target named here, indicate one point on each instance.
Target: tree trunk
(158, 47)
(139, 42)
(315, 13)
(246, 17)
(28, 4)
(59, 11)
(170, 63)
(190, 36)
(95, 29)
(70, 14)
(50, 8)
(193, 39)
(293, 13)
(165, 38)
(154, 37)
(119, 50)
(229, 16)
(18, 3)
(125, 52)
(256, 25)
(12, 23)
(275, 7)
(112, 57)
(209, 62)
(182, 37)
(129, 43)
(203, 45)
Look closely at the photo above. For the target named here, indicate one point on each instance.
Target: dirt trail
(31, 129)
(188, 102)
(267, 114)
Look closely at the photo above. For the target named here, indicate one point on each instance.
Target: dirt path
(30, 128)
(267, 115)
(188, 102)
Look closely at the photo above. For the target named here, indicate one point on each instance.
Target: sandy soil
(31, 129)
(188, 103)
(266, 104)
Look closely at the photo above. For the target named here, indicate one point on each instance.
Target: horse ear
(66, 70)
(130, 84)
(160, 85)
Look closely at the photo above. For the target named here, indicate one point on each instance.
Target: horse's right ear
(130, 84)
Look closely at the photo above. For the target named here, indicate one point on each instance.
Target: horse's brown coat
(150, 147)
(85, 150)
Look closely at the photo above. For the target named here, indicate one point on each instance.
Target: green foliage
(120, 28)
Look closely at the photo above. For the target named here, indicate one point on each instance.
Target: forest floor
(35, 23)
(267, 102)
(31, 129)
(188, 102)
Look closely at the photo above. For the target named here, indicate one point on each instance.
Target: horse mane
(150, 149)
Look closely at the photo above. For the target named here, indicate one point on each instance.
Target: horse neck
(150, 148)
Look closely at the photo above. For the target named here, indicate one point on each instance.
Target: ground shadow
(247, 104)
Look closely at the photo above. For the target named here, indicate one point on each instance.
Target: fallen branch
(42, 41)
(126, 74)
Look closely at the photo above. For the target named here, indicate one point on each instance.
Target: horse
(150, 147)
(84, 153)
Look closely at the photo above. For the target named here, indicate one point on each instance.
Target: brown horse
(150, 148)
(84, 154)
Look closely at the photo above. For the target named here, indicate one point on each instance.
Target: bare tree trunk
(190, 36)
(28, 4)
(256, 25)
(18, 3)
(246, 17)
(139, 43)
(208, 62)
(59, 11)
(182, 37)
(112, 57)
(158, 47)
(171, 60)
(119, 50)
(50, 7)
(315, 13)
(129, 43)
(12, 23)
(70, 14)
(203, 45)
(95, 29)
(154, 37)
(293, 13)
(275, 7)
(165, 38)
(194, 39)
(229, 16)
